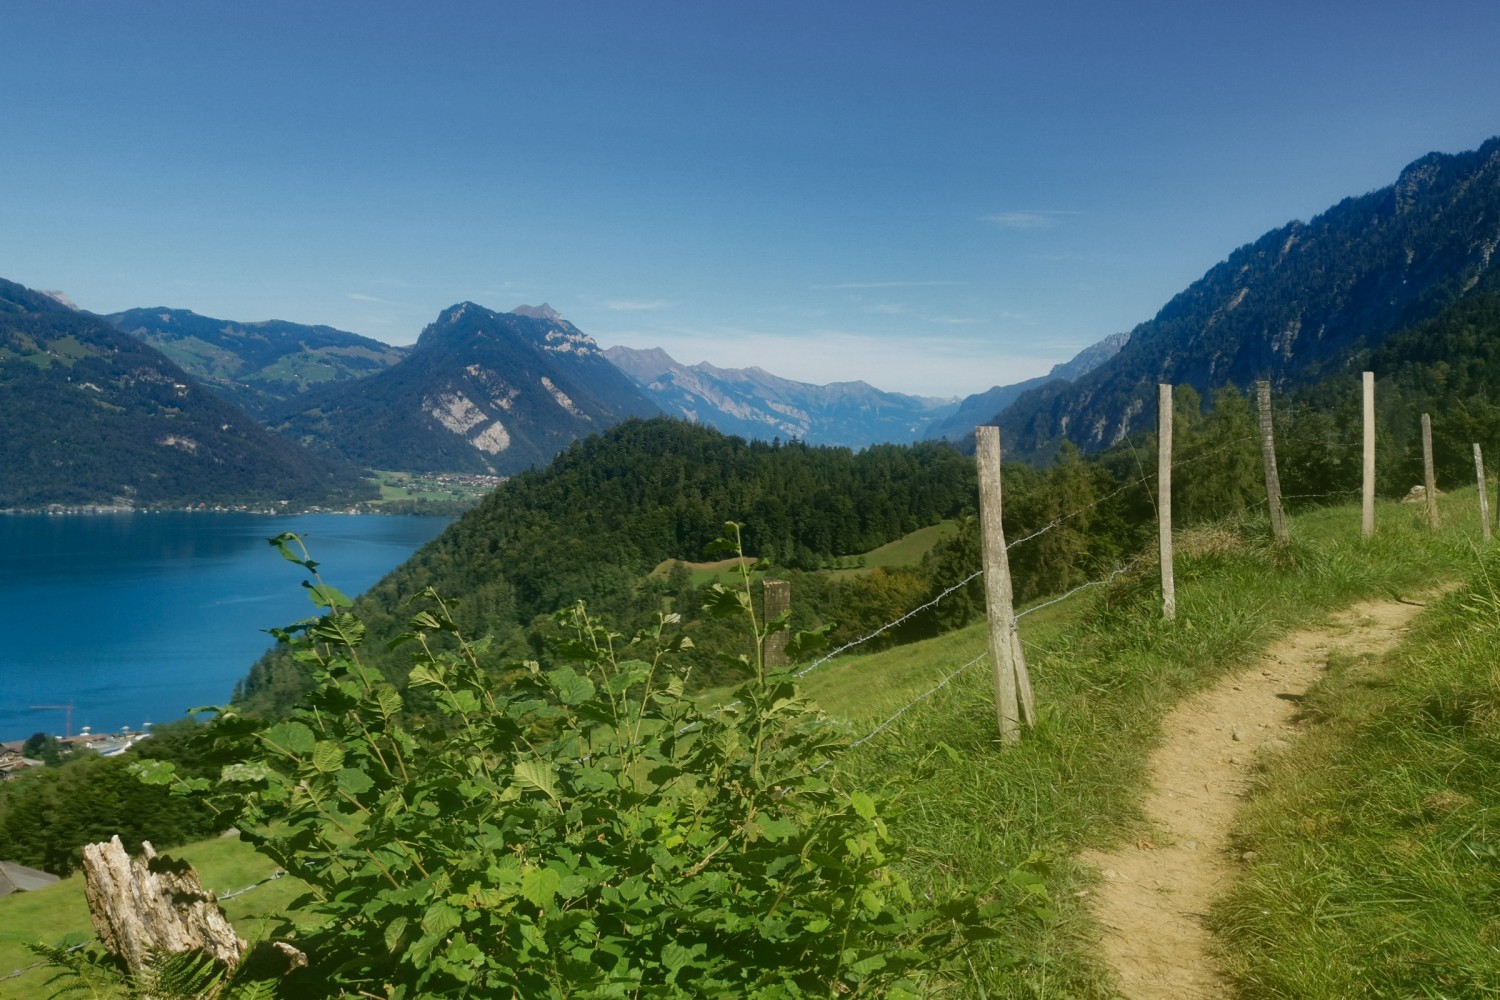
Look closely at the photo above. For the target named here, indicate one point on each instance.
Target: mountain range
(257, 365)
(481, 391)
(753, 403)
(95, 417)
(1304, 302)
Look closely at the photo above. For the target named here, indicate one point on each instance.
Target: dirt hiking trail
(1155, 893)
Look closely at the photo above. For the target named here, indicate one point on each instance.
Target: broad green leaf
(325, 596)
(722, 602)
(389, 700)
(154, 772)
(539, 885)
(394, 931)
(571, 688)
(775, 829)
(354, 782)
(328, 756)
(863, 805)
(292, 737)
(538, 775)
(424, 675)
(441, 917)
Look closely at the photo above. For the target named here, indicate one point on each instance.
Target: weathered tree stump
(153, 904)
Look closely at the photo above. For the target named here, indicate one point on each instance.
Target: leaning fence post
(1164, 498)
(1429, 480)
(1484, 491)
(777, 600)
(998, 597)
(1368, 527)
(1268, 459)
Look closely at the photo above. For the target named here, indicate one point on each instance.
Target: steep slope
(481, 391)
(985, 407)
(93, 416)
(753, 403)
(1296, 305)
(257, 365)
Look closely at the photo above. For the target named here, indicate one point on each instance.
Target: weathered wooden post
(148, 904)
(1164, 498)
(1484, 491)
(1004, 642)
(1368, 527)
(1268, 459)
(778, 599)
(1429, 481)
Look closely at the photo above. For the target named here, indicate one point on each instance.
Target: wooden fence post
(998, 597)
(1268, 458)
(1429, 481)
(777, 600)
(1484, 491)
(1368, 527)
(1164, 498)
(144, 905)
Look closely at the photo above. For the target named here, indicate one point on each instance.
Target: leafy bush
(581, 831)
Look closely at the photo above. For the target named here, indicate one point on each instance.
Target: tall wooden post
(1368, 528)
(1484, 491)
(1164, 498)
(998, 597)
(1268, 459)
(778, 599)
(1429, 481)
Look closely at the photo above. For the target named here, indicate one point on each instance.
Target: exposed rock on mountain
(481, 391)
(257, 365)
(95, 417)
(1297, 305)
(753, 403)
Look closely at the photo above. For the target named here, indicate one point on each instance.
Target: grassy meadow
(1376, 866)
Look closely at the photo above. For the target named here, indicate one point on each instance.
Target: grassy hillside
(1106, 668)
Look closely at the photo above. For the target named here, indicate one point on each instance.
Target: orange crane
(67, 719)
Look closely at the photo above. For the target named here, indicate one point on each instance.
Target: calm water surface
(135, 618)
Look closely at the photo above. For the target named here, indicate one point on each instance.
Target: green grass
(1105, 672)
(1376, 839)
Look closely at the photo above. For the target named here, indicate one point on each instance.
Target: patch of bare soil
(1155, 892)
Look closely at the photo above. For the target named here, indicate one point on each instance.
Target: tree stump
(153, 904)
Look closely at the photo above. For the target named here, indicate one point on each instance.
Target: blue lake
(135, 618)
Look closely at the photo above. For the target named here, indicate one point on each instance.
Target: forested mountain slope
(609, 508)
(256, 365)
(93, 416)
(1298, 304)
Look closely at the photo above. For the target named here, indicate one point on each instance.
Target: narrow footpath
(1155, 893)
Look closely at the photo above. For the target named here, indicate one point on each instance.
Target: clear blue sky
(933, 197)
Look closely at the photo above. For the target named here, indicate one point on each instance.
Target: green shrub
(580, 831)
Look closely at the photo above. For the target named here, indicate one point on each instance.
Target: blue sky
(933, 197)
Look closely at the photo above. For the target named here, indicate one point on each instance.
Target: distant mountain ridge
(93, 416)
(984, 407)
(257, 365)
(1301, 303)
(753, 403)
(481, 391)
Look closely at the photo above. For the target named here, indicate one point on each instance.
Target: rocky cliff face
(481, 391)
(1294, 306)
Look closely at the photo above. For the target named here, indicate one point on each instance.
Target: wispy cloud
(637, 305)
(861, 285)
(358, 297)
(1024, 220)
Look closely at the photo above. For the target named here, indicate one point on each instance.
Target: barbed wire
(18, 973)
(890, 625)
(916, 701)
